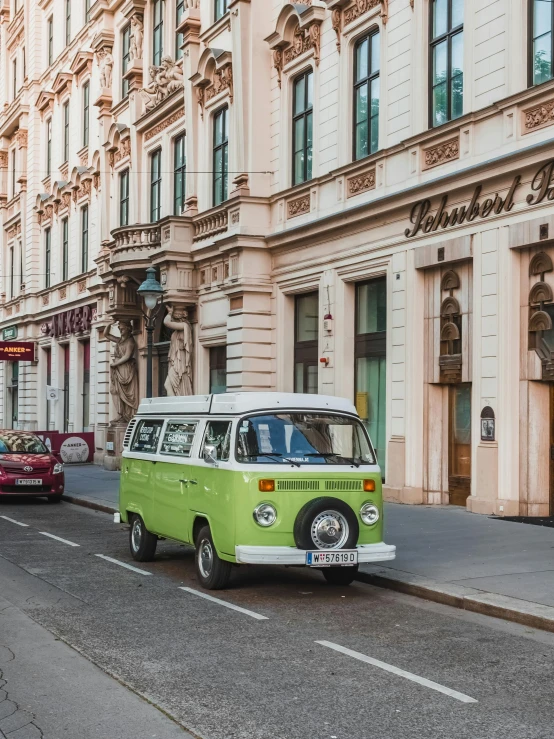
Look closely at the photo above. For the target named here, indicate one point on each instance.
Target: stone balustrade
(137, 237)
(210, 224)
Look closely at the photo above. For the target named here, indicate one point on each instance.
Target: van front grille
(344, 485)
(297, 484)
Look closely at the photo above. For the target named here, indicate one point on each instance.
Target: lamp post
(151, 291)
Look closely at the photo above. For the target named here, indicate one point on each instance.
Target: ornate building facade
(351, 197)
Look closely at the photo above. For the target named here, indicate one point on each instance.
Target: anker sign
(73, 321)
(542, 186)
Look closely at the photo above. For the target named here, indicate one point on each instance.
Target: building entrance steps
(444, 553)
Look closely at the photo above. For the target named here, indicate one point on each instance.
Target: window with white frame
(179, 13)
(86, 113)
(125, 58)
(50, 40)
(158, 32)
(84, 238)
(179, 176)
(66, 131)
(366, 95)
(155, 185)
(220, 156)
(302, 127)
(124, 198)
(49, 147)
(14, 171)
(47, 257)
(67, 22)
(65, 249)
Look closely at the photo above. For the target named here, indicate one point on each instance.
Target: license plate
(341, 558)
(28, 482)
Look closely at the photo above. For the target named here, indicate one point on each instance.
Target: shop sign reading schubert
(542, 186)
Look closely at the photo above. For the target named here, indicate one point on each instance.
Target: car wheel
(326, 524)
(54, 498)
(141, 542)
(340, 575)
(213, 573)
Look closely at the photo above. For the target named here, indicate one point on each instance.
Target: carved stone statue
(164, 80)
(179, 376)
(106, 62)
(123, 372)
(137, 37)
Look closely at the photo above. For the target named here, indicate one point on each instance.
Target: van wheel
(213, 573)
(141, 542)
(340, 575)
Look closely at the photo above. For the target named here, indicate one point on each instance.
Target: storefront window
(14, 393)
(48, 357)
(218, 369)
(306, 343)
(371, 362)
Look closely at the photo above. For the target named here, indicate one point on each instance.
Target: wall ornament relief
(299, 206)
(164, 80)
(539, 116)
(361, 183)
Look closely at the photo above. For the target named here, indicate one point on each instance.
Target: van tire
(307, 515)
(340, 575)
(141, 542)
(213, 573)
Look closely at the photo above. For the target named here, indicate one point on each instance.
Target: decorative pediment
(214, 76)
(45, 102)
(62, 83)
(81, 63)
(345, 12)
(297, 32)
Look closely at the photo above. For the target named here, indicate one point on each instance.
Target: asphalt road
(303, 660)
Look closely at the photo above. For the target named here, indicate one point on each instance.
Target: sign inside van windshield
(146, 437)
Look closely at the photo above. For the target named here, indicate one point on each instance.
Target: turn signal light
(369, 486)
(266, 486)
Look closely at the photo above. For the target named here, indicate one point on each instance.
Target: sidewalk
(444, 554)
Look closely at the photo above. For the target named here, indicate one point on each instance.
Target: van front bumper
(290, 556)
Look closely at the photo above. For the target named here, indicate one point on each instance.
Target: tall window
(179, 177)
(221, 7)
(66, 131)
(86, 385)
(49, 147)
(221, 156)
(218, 369)
(447, 57)
(86, 113)
(84, 239)
(65, 249)
(87, 10)
(155, 186)
(50, 35)
(66, 377)
(371, 361)
(302, 128)
(47, 257)
(366, 95)
(12, 269)
(179, 12)
(14, 393)
(67, 22)
(48, 357)
(124, 198)
(306, 321)
(542, 44)
(125, 57)
(158, 38)
(14, 77)
(14, 171)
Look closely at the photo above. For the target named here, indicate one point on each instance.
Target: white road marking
(224, 603)
(11, 520)
(123, 564)
(397, 671)
(57, 538)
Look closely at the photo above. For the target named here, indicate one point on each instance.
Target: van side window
(147, 436)
(218, 435)
(178, 438)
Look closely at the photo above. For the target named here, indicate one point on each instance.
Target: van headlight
(265, 514)
(369, 514)
(58, 468)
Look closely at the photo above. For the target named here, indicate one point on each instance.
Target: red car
(27, 467)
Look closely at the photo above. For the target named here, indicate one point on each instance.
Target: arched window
(541, 41)
(447, 61)
(366, 95)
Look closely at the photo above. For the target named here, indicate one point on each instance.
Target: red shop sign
(18, 351)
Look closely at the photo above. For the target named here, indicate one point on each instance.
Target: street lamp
(151, 291)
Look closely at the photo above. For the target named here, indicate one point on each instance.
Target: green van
(254, 478)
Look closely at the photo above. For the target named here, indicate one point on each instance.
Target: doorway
(551, 460)
(459, 443)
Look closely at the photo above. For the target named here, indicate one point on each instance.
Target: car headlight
(265, 514)
(58, 468)
(369, 514)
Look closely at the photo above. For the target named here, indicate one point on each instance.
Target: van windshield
(303, 438)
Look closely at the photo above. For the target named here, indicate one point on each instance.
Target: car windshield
(18, 443)
(303, 438)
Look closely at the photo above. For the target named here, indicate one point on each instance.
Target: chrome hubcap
(205, 558)
(136, 535)
(330, 530)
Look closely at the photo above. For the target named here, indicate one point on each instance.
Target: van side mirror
(210, 454)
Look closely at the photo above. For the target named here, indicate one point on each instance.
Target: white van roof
(239, 403)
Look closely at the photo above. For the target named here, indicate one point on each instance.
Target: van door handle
(189, 482)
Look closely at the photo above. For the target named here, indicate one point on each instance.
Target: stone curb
(534, 615)
(88, 504)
